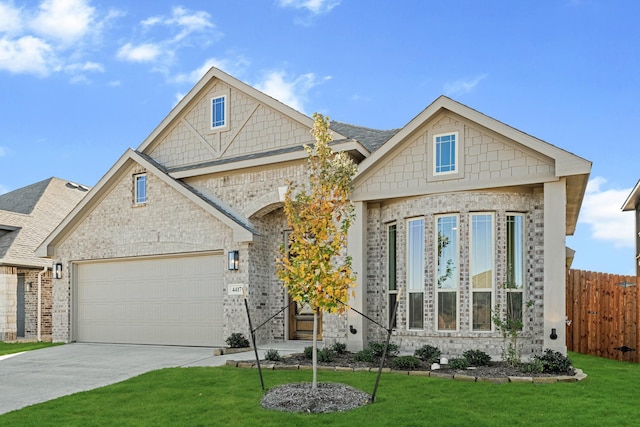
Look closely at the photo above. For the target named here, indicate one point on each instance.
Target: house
(27, 216)
(633, 204)
(450, 207)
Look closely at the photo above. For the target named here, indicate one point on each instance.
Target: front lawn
(17, 347)
(227, 396)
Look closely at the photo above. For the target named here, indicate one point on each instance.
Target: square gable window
(140, 189)
(218, 112)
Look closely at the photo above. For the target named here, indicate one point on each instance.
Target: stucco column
(555, 208)
(357, 249)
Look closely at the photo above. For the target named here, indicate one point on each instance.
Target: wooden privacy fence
(603, 315)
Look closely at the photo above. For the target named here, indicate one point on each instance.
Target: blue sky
(83, 80)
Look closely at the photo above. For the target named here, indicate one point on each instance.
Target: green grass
(17, 347)
(227, 396)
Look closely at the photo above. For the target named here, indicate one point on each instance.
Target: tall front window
(482, 271)
(391, 271)
(445, 153)
(140, 183)
(218, 112)
(515, 268)
(447, 272)
(415, 272)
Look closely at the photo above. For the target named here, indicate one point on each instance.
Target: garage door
(168, 301)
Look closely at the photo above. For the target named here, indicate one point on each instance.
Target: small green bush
(427, 353)
(554, 362)
(378, 348)
(365, 355)
(458, 363)
(272, 355)
(308, 352)
(237, 340)
(534, 367)
(325, 355)
(339, 348)
(405, 362)
(477, 357)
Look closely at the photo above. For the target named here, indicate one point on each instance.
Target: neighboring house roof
(633, 200)
(29, 214)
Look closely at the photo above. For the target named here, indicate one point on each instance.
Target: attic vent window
(218, 112)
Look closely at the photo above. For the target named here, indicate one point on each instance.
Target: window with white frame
(140, 188)
(415, 272)
(515, 269)
(445, 159)
(392, 285)
(447, 272)
(218, 112)
(481, 270)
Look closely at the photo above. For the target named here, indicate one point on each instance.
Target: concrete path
(40, 375)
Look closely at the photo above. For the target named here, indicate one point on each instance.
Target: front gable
(485, 159)
(253, 125)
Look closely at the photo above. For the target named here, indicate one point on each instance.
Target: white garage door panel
(171, 301)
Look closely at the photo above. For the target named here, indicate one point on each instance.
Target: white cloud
(64, 20)
(3, 189)
(601, 210)
(142, 53)
(28, 54)
(3, 151)
(10, 19)
(314, 6)
(234, 66)
(462, 86)
(290, 91)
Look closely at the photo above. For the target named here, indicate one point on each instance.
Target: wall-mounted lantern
(57, 270)
(554, 335)
(234, 260)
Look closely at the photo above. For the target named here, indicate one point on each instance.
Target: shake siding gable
(488, 161)
(253, 127)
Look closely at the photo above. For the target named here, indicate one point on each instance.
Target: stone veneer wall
(455, 343)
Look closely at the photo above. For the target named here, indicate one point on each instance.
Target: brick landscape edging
(579, 376)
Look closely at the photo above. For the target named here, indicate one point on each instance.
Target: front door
(301, 322)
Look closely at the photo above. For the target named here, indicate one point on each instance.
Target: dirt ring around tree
(327, 397)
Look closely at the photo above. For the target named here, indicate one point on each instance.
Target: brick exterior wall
(454, 343)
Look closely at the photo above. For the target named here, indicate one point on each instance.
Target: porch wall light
(234, 260)
(57, 270)
(554, 335)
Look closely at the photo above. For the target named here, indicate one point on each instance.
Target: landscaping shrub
(427, 353)
(378, 348)
(477, 357)
(554, 362)
(237, 340)
(458, 363)
(365, 355)
(272, 355)
(406, 362)
(534, 367)
(339, 348)
(325, 355)
(308, 352)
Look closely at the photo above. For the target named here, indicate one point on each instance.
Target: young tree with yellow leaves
(316, 269)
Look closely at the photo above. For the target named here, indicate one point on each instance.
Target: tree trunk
(314, 384)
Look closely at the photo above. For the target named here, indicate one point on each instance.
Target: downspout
(40, 303)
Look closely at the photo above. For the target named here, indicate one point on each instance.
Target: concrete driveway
(40, 375)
